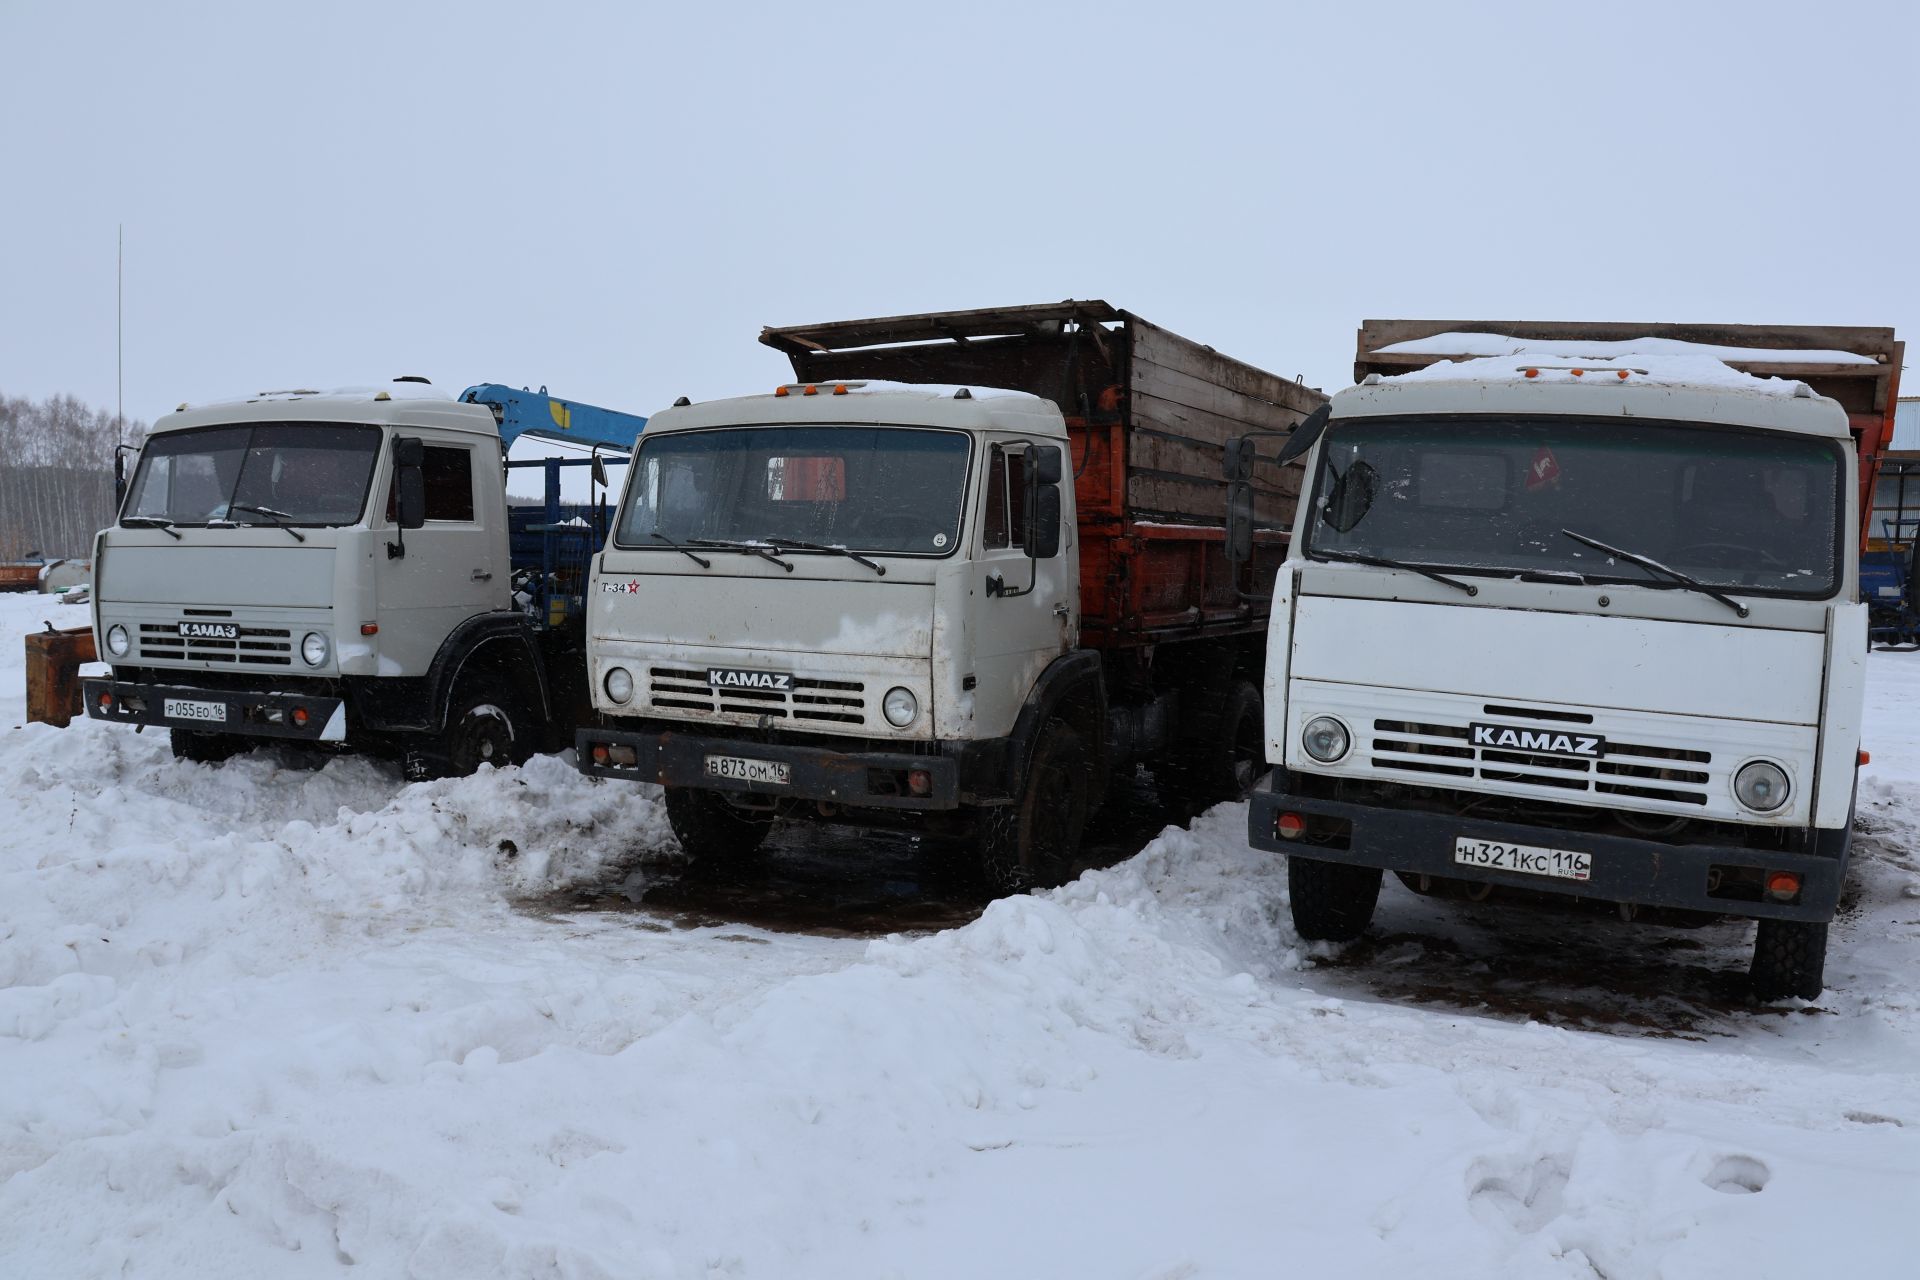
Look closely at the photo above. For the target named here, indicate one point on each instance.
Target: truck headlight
(118, 641)
(313, 649)
(1761, 786)
(619, 685)
(1325, 739)
(900, 707)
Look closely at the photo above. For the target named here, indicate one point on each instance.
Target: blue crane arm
(535, 413)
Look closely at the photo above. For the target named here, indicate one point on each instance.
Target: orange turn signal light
(1866, 757)
(1290, 826)
(300, 716)
(369, 628)
(1784, 885)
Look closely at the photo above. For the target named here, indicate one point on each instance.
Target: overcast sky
(611, 201)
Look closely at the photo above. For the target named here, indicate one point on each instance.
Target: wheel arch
(1071, 689)
(501, 647)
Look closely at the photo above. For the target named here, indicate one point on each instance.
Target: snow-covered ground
(267, 1019)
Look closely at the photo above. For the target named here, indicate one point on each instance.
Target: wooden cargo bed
(1149, 414)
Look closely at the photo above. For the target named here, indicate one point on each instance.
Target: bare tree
(56, 474)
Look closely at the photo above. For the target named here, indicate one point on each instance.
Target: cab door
(1023, 607)
(433, 578)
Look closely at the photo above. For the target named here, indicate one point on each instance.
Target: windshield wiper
(1382, 562)
(702, 561)
(1654, 566)
(279, 518)
(151, 522)
(798, 545)
(752, 548)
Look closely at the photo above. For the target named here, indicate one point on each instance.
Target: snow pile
(1496, 344)
(1491, 357)
(259, 1020)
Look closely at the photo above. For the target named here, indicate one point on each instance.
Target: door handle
(482, 575)
(1060, 610)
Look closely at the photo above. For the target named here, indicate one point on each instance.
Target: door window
(1005, 523)
(448, 473)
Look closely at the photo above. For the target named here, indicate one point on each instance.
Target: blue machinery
(550, 546)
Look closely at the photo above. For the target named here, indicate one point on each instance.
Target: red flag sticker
(1544, 470)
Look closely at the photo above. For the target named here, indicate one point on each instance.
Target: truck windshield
(892, 490)
(1747, 511)
(304, 473)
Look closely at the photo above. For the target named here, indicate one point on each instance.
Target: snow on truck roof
(410, 402)
(1644, 377)
(880, 403)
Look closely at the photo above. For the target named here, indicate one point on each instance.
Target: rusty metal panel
(54, 659)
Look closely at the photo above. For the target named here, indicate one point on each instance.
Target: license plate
(191, 709)
(742, 769)
(210, 630)
(1561, 864)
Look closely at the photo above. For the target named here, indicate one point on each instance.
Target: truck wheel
(707, 827)
(1332, 901)
(205, 748)
(483, 727)
(1032, 843)
(1229, 759)
(1789, 959)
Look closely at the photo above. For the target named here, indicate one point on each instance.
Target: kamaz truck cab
(344, 567)
(1576, 612)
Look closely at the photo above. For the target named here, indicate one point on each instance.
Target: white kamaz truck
(1573, 609)
(345, 568)
(938, 609)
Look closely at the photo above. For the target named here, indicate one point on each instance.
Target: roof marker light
(1533, 373)
(1579, 373)
(779, 391)
(810, 390)
(381, 395)
(840, 388)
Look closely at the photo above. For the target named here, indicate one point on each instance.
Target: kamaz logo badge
(1548, 742)
(734, 678)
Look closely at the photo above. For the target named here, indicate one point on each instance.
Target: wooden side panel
(1184, 403)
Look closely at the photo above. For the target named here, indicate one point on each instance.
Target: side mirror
(119, 478)
(1042, 501)
(1239, 521)
(410, 481)
(599, 471)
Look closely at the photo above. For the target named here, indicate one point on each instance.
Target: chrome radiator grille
(1437, 752)
(809, 701)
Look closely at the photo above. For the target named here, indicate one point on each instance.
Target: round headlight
(313, 648)
(117, 641)
(619, 684)
(1325, 739)
(1761, 786)
(900, 707)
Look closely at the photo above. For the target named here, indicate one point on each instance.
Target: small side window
(448, 473)
(994, 527)
(1017, 498)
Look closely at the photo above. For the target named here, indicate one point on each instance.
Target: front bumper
(254, 715)
(858, 779)
(1624, 869)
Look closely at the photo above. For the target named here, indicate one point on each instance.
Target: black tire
(205, 748)
(1032, 843)
(1332, 901)
(1789, 959)
(1233, 754)
(484, 726)
(709, 828)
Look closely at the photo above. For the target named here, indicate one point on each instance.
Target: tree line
(56, 474)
